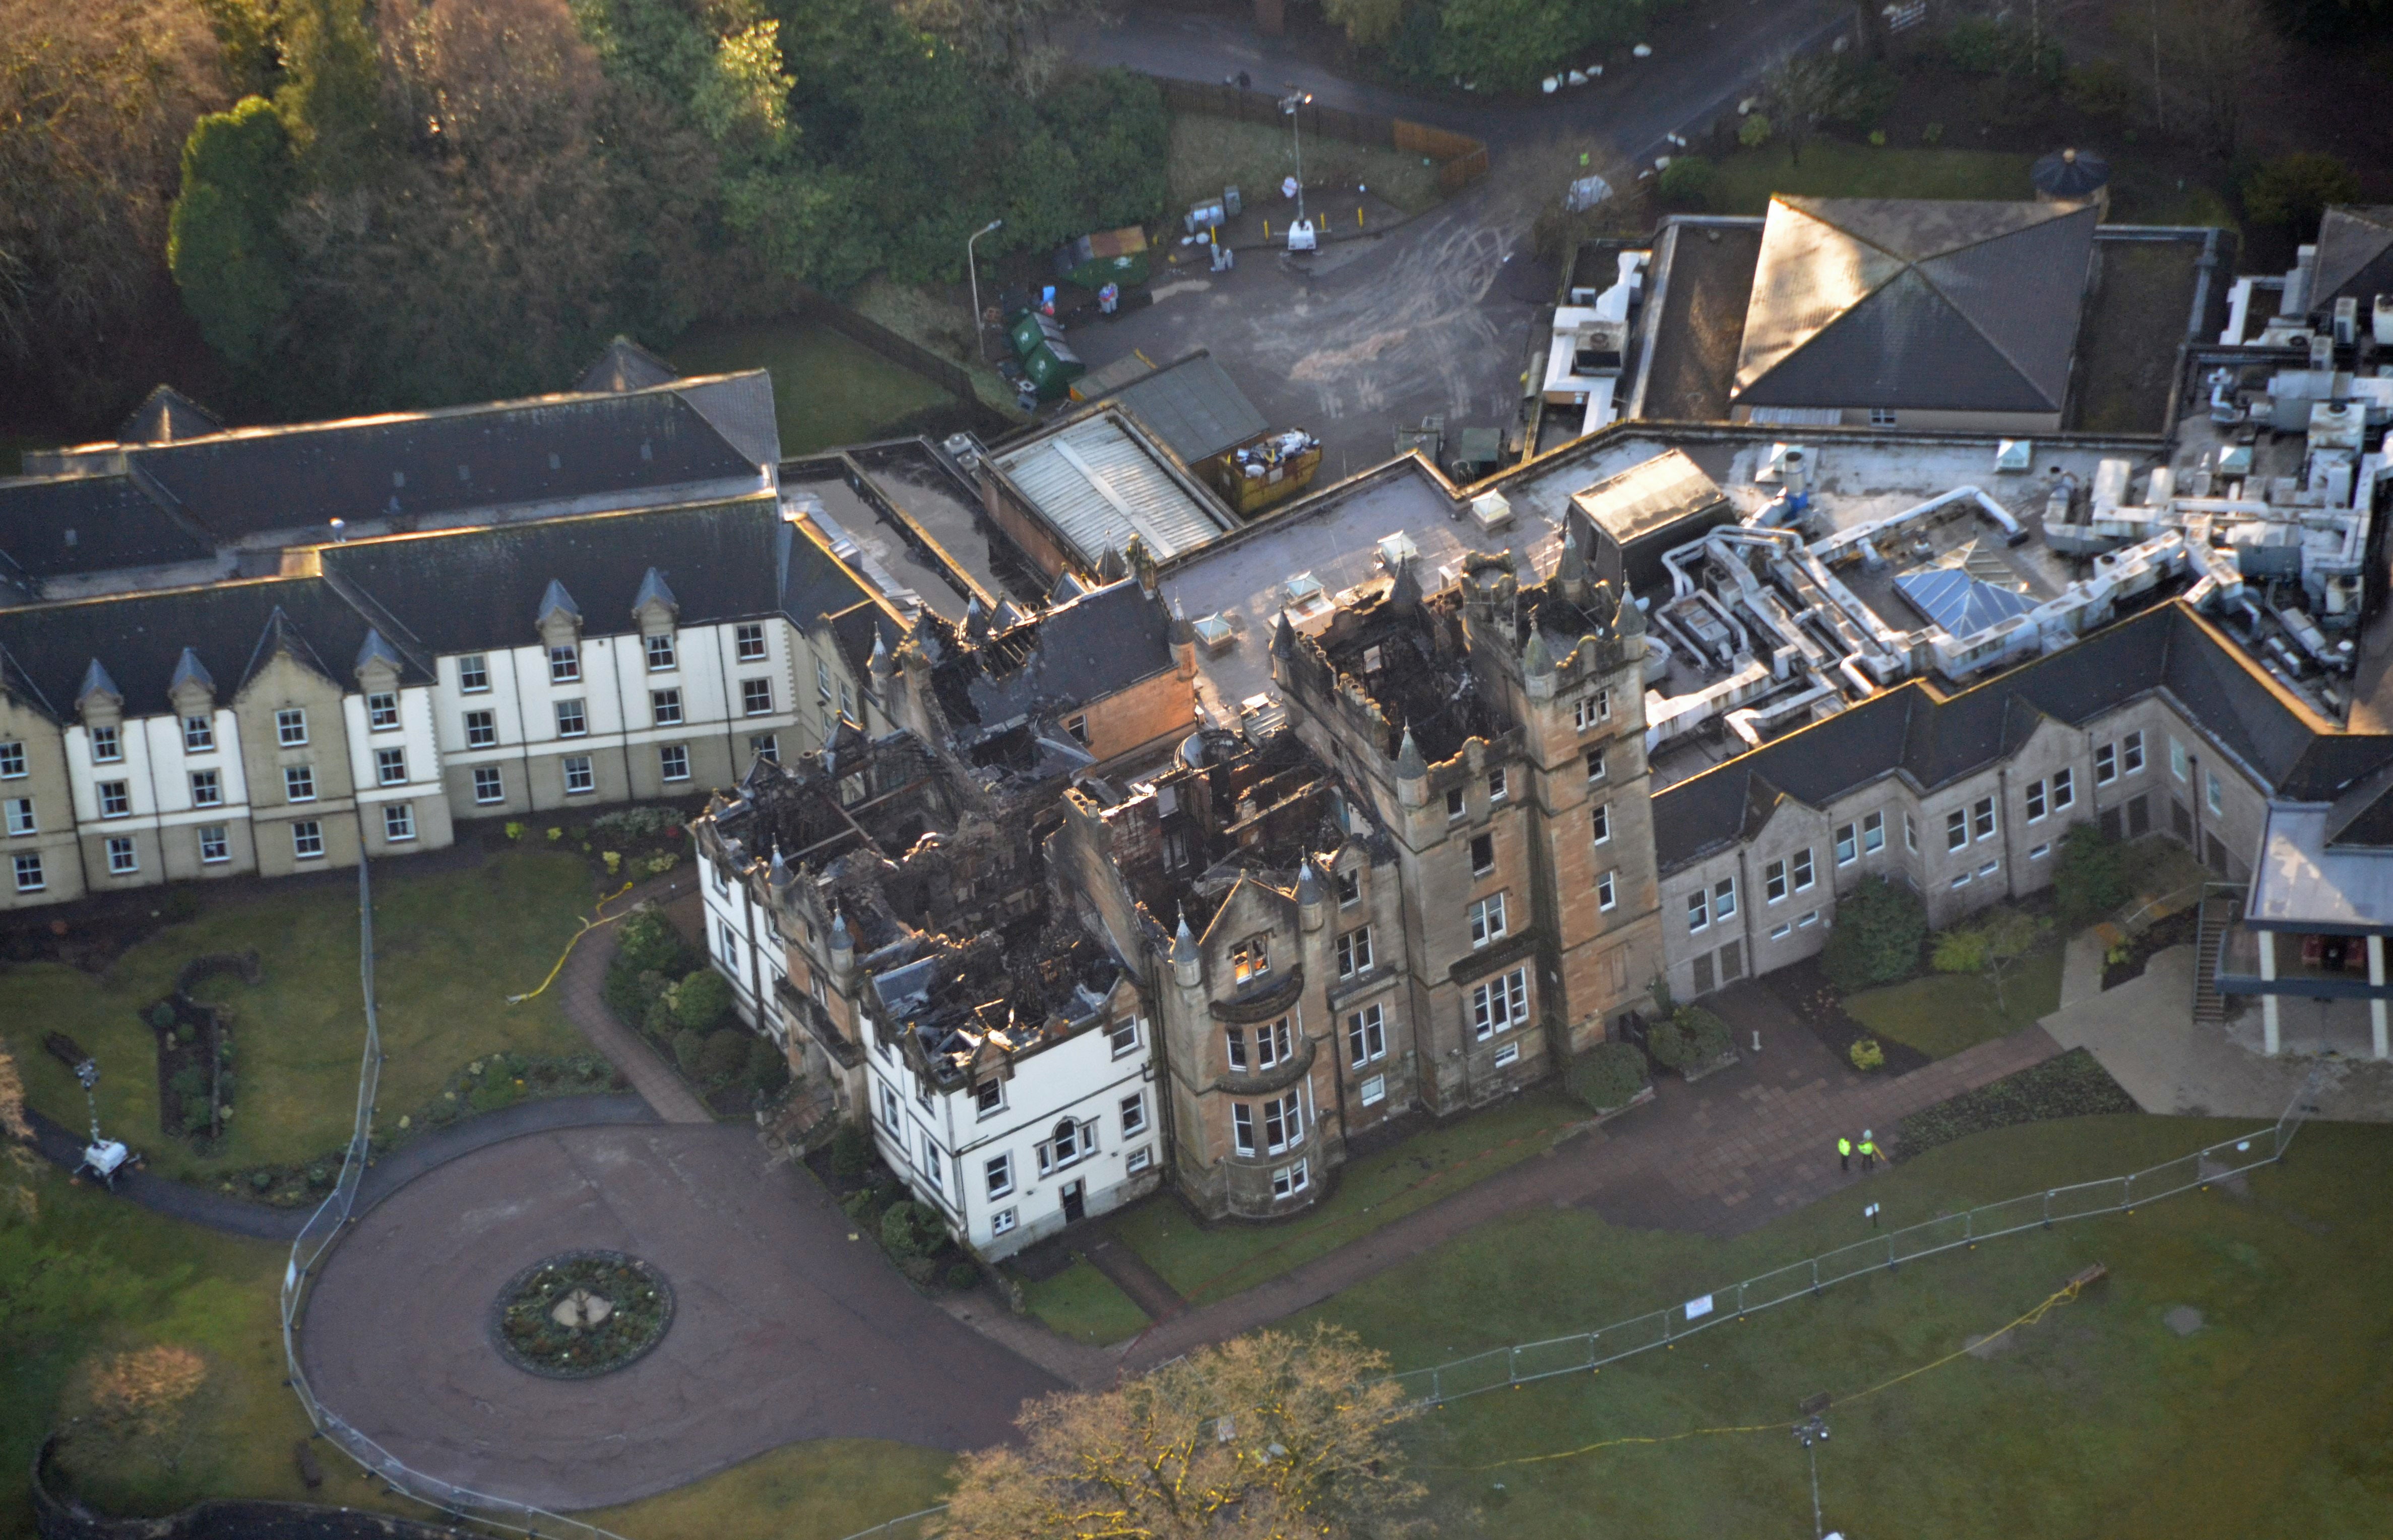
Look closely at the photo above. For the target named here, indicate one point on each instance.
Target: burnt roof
(1934, 739)
(54, 525)
(1103, 642)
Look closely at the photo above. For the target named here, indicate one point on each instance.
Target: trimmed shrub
(909, 1231)
(857, 1204)
(636, 823)
(1687, 182)
(162, 1015)
(2294, 190)
(690, 1051)
(851, 1151)
(1606, 1077)
(963, 1275)
(190, 1083)
(1866, 1054)
(1754, 132)
(1876, 937)
(704, 1002)
(724, 1055)
(2090, 878)
(1959, 952)
(768, 1068)
(647, 942)
(1690, 1039)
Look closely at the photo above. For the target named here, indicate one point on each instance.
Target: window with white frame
(1283, 1122)
(988, 1098)
(1724, 898)
(1802, 868)
(1273, 1044)
(1499, 1004)
(572, 719)
(2064, 790)
(1956, 829)
(2213, 793)
(214, 845)
(207, 789)
(1592, 709)
(1781, 931)
(1354, 952)
(822, 680)
(1848, 845)
(1242, 1124)
(1349, 888)
(1699, 909)
(1873, 833)
(1133, 1113)
(1594, 765)
(1882, 417)
(997, 1173)
(579, 776)
(382, 711)
(1989, 869)
(199, 735)
(1125, 1037)
(291, 727)
(490, 784)
(299, 783)
(661, 652)
(756, 697)
(472, 672)
(1001, 1222)
(2106, 763)
(1487, 920)
(726, 944)
(1606, 893)
(1289, 1181)
(1600, 821)
(1509, 1054)
(564, 663)
(398, 821)
(29, 873)
(664, 708)
(1454, 807)
(2037, 853)
(1811, 917)
(390, 766)
(1774, 882)
(2034, 799)
(750, 636)
(20, 817)
(2179, 762)
(767, 745)
(481, 729)
(2131, 753)
(1366, 1036)
(1910, 833)
(123, 859)
(673, 761)
(108, 745)
(1374, 1089)
(1068, 1146)
(1482, 855)
(12, 760)
(1251, 958)
(1139, 1159)
(1497, 786)
(893, 1111)
(307, 839)
(116, 799)
(1982, 819)
(935, 1163)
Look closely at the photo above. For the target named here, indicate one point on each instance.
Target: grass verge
(821, 1490)
(828, 389)
(1209, 1263)
(1084, 1305)
(1941, 1013)
(452, 946)
(2272, 1416)
(1831, 168)
(1209, 153)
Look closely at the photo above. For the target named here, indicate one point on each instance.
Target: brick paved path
(1131, 1273)
(582, 985)
(1727, 1155)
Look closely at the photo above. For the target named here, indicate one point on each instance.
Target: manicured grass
(1831, 168)
(1206, 1264)
(2273, 1418)
(821, 1491)
(1209, 153)
(828, 388)
(451, 947)
(95, 1277)
(1085, 1305)
(1941, 1013)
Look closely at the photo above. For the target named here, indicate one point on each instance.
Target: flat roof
(1649, 496)
(2300, 884)
(1098, 483)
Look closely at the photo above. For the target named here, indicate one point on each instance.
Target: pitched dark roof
(53, 524)
(1192, 406)
(2355, 255)
(138, 639)
(1915, 303)
(425, 464)
(166, 414)
(1104, 641)
(473, 588)
(625, 365)
(1932, 739)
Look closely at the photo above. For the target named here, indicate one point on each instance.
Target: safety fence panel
(2086, 1198)
(1461, 160)
(1924, 1240)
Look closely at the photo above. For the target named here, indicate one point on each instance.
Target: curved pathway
(785, 1328)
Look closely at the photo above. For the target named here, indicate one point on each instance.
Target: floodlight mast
(1289, 104)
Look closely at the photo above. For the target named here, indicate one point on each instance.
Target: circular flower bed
(582, 1314)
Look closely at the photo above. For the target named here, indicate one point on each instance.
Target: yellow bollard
(1266, 230)
(1358, 218)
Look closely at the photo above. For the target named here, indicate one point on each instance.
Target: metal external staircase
(2220, 901)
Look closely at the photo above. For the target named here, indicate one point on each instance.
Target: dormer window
(564, 663)
(381, 710)
(199, 735)
(106, 745)
(1251, 958)
(661, 652)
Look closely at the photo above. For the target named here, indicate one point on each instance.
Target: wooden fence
(1461, 159)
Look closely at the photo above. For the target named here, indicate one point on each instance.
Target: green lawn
(1832, 168)
(2273, 1419)
(451, 947)
(1085, 1305)
(828, 389)
(1209, 153)
(1942, 1013)
(1206, 1264)
(821, 1491)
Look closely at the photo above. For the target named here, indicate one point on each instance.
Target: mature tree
(1265, 1436)
(94, 102)
(2210, 57)
(1804, 91)
(2295, 189)
(1368, 24)
(18, 1163)
(224, 239)
(1876, 937)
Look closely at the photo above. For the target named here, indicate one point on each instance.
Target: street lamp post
(1289, 104)
(980, 331)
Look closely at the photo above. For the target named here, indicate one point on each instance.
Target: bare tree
(2209, 59)
(1267, 1437)
(1806, 91)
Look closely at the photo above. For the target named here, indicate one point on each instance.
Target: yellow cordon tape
(587, 926)
(2064, 1294)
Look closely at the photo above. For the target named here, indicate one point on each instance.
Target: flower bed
(2075, 1085)
(584, 1313)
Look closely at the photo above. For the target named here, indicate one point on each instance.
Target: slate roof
(54, 525)
(1932, 739)
(2355, 255)
(166, 414)
(138, 639)
(625, 365)
(462, 591)
(1870, 302)
(1104, 641)
(250, 481)
(1192, 406)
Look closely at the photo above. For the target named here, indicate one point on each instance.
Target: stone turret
(1412, 771)
(1312, 896)
(1187, 964)
(1184, 642)
(842, 951)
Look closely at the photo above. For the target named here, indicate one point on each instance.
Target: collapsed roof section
(968, 1009)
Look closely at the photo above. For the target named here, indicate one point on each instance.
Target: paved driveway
(785, 1330)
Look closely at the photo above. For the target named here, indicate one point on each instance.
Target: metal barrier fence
(906, 1527)
(1461, 160)
(1502, 1368)
(317, 1237)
